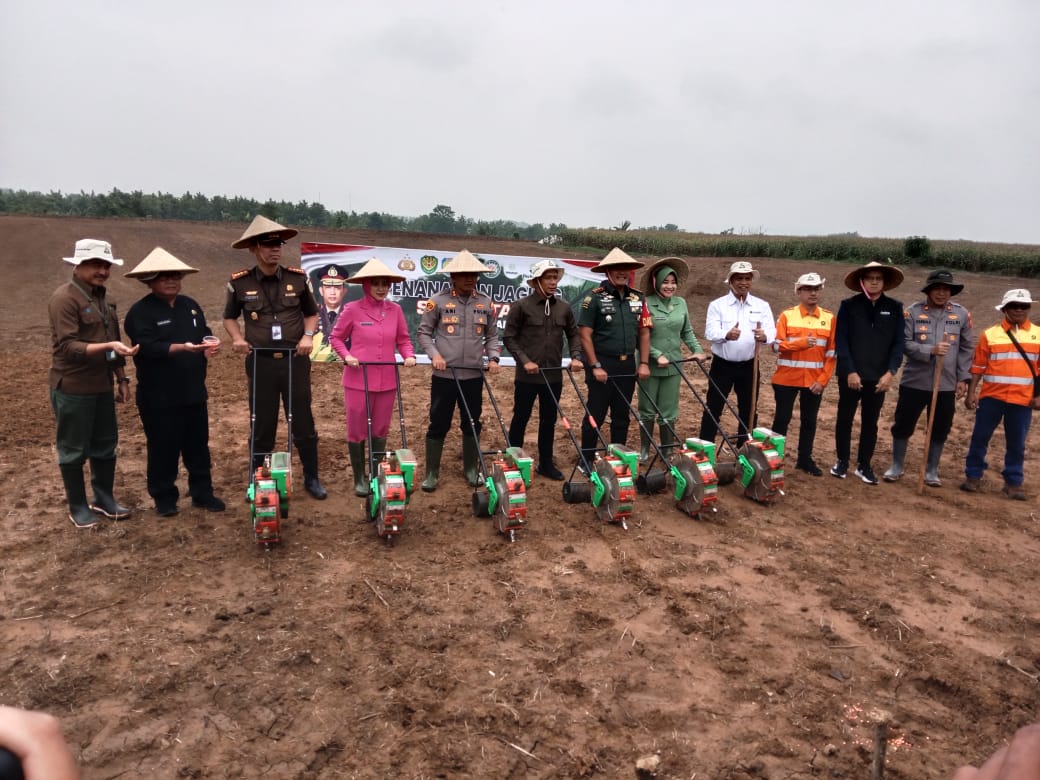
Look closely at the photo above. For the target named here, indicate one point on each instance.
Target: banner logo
(429, 264)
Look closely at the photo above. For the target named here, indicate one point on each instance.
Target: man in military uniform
(458, 329)
(281, 318)
(614, 325)
(332, 295)
(934, 328)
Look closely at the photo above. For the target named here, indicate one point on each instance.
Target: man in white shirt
(736, 325)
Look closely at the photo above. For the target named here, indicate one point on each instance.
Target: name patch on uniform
(164, 322)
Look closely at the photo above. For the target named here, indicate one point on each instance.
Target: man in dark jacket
(175, 344)
(535, 327)
(869, 341)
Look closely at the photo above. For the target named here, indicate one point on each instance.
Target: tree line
(202, 208)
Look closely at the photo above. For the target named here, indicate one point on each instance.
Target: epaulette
(596, 290)
(239, 274)
(295, 270)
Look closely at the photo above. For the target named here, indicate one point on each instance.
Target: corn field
(1005, 259)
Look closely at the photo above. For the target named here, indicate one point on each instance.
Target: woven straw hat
(375, 269)
(677, 264)
(92, 249)
(262, 226)
(616, 260)
(158, 261)
(893, 276)
(465, 263)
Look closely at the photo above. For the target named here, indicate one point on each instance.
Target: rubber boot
(434, 448)
(379, 449)
(896, 470)
(80, 512)
(358, 466)
(667, 440)
(646, 431)
(931, 469)
(308, 450)
(102, 479)
(470, 456)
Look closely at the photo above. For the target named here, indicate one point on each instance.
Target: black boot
(309, 458)
(358, 466)
(434, 448)
(102, 479)
(470, 461)
(76, 492)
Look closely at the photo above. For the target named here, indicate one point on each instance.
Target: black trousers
(614, 396)
(444, 397)
(729, 376)
(173, 434)
(869, 404)
(910, 405)
(272, 390)
(524, 396)
(809, 408)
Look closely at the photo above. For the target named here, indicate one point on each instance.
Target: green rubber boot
(646, 430)
(434, 448)
(358, 466)
(470, 455)
(667, 440)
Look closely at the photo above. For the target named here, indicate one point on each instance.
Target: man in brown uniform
(281, 318)
(87, 355)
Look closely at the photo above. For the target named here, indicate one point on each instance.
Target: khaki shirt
(268, 303)
(462, 331)
(81, 316)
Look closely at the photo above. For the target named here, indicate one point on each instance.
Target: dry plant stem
(372, 588)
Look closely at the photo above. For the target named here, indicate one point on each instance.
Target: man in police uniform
(614, 325)
(281, 318)
(458, 329)
(932, 328)
(332, 294)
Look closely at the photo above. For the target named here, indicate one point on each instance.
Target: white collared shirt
(727, 311)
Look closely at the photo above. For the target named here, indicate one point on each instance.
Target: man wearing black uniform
(281, 319)
(175, 344)
(614, 325)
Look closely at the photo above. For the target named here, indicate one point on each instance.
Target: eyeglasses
(269, 242)
(1017, 306)
(176, 275)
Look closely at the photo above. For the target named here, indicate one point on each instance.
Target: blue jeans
(1016, 426)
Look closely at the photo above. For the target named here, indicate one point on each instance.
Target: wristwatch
(597, 364)
(309, 332)
(494, 360)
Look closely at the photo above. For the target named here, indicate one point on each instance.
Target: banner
(327, 265)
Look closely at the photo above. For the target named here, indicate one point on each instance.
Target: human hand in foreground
(35, 739)
(1020, 760)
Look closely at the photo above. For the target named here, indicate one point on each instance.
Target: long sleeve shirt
(799, 363)
(924, 327)
(729, 310)
(79, 317)
(1006, 376)
(165, 380)
(463, 331)
(371, 331)
(672, 329)
(868, 337)
(532, 336)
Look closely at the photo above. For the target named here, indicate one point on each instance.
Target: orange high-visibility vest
(1005, 374)
(798, 364)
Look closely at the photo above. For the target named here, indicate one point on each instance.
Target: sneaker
(810, 467)
(549, 471)
(211, 504)
(840, 469)
(866, 473)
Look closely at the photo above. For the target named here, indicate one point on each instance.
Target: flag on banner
(327, 265)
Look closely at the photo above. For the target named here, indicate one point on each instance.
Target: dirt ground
(758, 642)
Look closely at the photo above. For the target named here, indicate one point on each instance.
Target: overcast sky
(783, 116)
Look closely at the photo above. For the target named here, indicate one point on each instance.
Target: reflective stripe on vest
(1008, 380)
(800, 363)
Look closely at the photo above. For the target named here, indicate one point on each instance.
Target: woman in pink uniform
(370, 330)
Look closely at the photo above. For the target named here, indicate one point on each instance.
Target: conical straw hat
(374, 269)
(616, 260)
(465, 263)
(893, 276)
(677, 264)
(262, 226)
(158, 261)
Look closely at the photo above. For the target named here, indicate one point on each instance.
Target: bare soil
(757, 642)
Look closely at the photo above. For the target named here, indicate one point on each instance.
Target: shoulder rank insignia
(293, 269)
(239, 274)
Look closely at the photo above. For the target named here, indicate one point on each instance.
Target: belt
(619, 358)
(275, 355)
